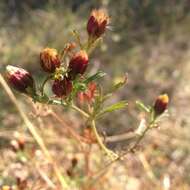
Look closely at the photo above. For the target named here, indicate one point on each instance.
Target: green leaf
(77, 87)
(142, 106)
(97, 104)
(96, 76)
(80, 87)
(114, 107)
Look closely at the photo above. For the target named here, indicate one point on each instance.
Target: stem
(100, 143)
(89, 45)
(43, 84)
(77, 36)
(80, 111)
(58, 102)
(34, 133)
(131, 149)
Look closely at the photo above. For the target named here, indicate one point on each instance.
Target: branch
(120, 157)
(100, 143)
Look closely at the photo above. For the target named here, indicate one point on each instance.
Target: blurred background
(149, 40)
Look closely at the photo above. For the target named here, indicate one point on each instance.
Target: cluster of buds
(51, 62)
(23, 81)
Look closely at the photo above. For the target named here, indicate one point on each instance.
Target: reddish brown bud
(78, 64)
(49, 60)
(20, 79)
(161, 104)
(62, 88)
(97, 23)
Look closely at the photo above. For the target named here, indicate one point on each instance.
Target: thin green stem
(80, 111)
(77, 36)
(59, 102)
(44, 83)
(100, 143)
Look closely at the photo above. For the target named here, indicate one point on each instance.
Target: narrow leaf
(142, 106)
(114, 107)
(96, 76)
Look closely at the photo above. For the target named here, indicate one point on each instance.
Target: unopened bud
(161, 104)
(20, 79)
(97, 23)
(78, 64)
(49, 60)
(62, 88)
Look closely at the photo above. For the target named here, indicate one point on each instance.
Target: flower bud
(62, 88)
(49, 60)
(78, 64)
(97, 23)
(161, 104)
(20, 79)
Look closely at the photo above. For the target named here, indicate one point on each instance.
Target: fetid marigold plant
(67, 72)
